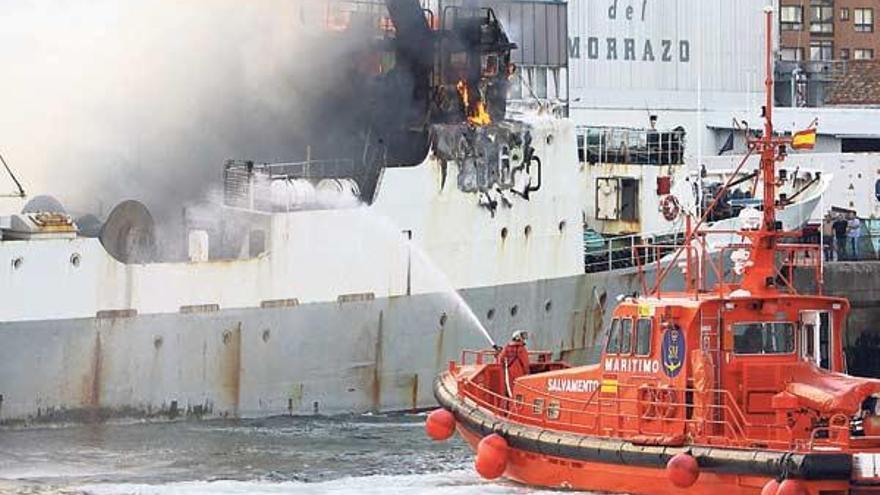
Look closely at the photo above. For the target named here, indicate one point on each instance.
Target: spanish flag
(804, 140)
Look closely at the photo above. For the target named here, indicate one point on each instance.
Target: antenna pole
(768, 145)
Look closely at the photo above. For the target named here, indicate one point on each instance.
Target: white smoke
(102, 100)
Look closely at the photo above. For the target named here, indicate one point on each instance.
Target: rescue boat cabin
(716, 369)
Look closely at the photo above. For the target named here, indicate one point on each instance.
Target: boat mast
(768, 144)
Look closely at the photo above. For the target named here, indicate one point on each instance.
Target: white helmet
(520, 335)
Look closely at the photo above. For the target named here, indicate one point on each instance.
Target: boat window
(626, 336)
(643, 337)
(763, 338)
(613, 346)
(553, 409)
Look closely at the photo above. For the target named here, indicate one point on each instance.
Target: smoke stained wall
(102, 100)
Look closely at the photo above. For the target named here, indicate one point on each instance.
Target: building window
(863, 54)
(792, 18)
(863, 20)
(844, 54)
(821, 50)
(822, 18)
(844, 14)
(791, 54)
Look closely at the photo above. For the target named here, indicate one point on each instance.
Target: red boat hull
(539, 470)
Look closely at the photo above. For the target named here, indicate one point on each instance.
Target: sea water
(371, 454)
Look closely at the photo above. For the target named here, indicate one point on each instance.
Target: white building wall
(686, 58)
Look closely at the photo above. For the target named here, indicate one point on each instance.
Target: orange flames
(477, 113)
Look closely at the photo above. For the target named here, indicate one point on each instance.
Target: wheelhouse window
(643, 337)
(613, 346)
(863, 20)
(763, 338)
(791, 18)
(626, 336)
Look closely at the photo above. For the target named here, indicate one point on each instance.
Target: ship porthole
(17, 262)
(490, 314)
(75, 259)
(504, 233)
(562, 225)
(266, 335)
(528, 230)
(514, 310)
(549, 139)
(443, 319)
(227, 337)
(157, 342)
(548, 305)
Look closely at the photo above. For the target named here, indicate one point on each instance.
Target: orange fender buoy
(491, 459)
(440, 425)
(683, 470)
(792, 487)
(770, 488)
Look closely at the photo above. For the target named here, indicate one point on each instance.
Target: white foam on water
(462, 482)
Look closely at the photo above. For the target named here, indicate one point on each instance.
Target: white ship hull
(340, 313)
(319, 358)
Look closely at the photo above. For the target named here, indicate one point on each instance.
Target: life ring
(657, 402)
(670, 207)
(647, 402)
(666, 401)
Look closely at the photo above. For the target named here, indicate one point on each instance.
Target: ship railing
(710, 268)
(621, 414)
(628, 146)
(606, 254)
(488, 356)
(308, 169)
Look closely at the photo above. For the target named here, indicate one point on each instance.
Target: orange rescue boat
(734, 388)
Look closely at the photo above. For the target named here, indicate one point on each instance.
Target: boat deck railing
(626, 146)
(605, 254)
(647, 412)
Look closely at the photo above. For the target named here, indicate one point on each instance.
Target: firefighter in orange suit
(515, 359)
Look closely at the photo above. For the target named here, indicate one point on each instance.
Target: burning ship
(322, 286)
(439, 205)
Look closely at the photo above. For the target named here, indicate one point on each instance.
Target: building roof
(858, 85)
(840, 122)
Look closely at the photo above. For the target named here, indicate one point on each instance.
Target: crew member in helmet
(515, 359)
